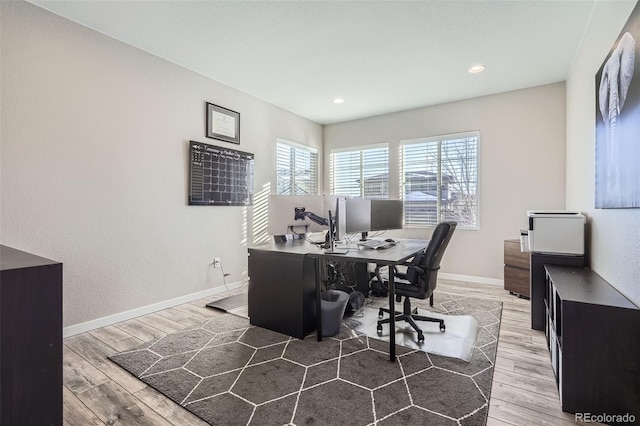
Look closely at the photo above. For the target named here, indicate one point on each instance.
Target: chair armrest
(401, 275)
(421, 272)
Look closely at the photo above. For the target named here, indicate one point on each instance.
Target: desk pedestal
(282, 292)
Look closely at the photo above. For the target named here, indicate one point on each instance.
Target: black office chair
(419, 281)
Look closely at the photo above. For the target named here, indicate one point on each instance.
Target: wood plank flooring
(98, 392)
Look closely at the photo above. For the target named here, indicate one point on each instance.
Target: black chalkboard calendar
(219, 176)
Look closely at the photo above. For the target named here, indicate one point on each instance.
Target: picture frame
(222, 124)
(617, 119)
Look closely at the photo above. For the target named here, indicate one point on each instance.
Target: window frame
(295, 147)
(440, 139)
(360, 149)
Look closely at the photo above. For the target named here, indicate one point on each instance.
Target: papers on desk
(375, 244)
(337, 251)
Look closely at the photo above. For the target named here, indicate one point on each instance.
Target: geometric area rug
(228, 372)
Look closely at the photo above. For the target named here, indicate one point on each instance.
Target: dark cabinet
(537, 282)
(282, 291)
(516, 269)
(594, 340)
(30, 339)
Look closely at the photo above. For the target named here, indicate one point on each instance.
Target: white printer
(556, 231)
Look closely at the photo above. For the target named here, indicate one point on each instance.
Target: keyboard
(375, 244)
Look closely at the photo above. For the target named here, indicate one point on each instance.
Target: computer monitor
(358, 215)
(337, 205)
(281, 210)
(386, 214)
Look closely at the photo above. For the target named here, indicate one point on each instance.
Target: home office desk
(285, 283)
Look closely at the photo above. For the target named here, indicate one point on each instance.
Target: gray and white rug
(228, 372)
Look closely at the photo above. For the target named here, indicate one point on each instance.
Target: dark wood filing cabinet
(594, 341)
(282, 292)
(516, 269)
(30, 339)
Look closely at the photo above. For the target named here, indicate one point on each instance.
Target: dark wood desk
(285, 284)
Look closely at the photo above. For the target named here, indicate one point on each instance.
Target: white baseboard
(72, 330)
(472, 279)
(144, 310)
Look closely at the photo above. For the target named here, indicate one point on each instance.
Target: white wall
(615, 233)
(522, 163)
(94, 162)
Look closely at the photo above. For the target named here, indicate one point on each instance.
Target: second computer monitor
(358, 215)
(373, 215)
(386, 214)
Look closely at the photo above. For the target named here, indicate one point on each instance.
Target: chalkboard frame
(220, 176)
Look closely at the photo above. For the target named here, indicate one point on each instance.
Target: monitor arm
(301, 213)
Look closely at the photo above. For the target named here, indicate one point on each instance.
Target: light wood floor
(98, 392)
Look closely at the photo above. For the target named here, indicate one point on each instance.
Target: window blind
(297, 170)
(360, 172)
(439, 178)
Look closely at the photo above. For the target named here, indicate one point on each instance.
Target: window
(297, 169)
(439, 180)
(361, 172)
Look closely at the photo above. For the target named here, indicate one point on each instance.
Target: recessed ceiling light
(338, 100)
(476, 69)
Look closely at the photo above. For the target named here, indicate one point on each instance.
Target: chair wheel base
(379, 328)
(420, 337)
(442, 327)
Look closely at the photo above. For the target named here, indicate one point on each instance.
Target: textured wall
(94, 165)
(614, 233)
(522, 163)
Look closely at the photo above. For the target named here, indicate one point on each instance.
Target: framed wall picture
(617, 177)
(223, 124)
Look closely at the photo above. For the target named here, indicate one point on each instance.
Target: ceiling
(379, 56)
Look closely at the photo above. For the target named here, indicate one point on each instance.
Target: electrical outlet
(216, 262)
